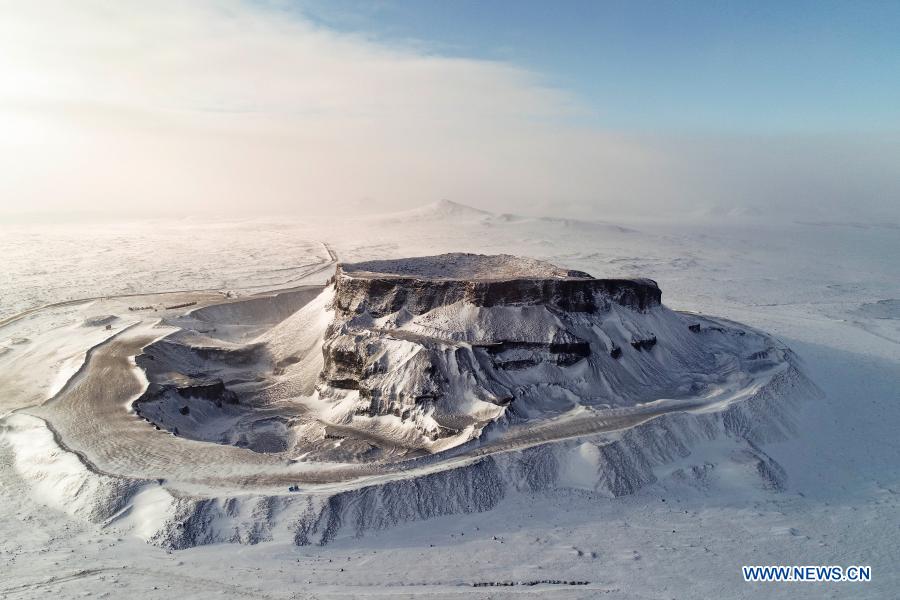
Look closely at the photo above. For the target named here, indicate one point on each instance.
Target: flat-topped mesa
(420, 284)
(452, 343)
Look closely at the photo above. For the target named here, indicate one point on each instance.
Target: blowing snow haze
(247, 108)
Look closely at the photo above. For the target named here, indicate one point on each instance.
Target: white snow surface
(828, 292)
(458, 265)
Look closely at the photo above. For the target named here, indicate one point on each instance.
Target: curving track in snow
(92, 417)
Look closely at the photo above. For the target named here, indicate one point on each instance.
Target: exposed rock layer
(388, 291)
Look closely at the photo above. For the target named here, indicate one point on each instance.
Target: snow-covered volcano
(399, 390)
(396, 358)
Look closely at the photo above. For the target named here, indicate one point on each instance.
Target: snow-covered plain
(828, 291)
(56, 263)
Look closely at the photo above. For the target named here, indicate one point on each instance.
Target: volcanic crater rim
(460, 266)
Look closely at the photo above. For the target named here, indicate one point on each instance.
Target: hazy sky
(590, 109)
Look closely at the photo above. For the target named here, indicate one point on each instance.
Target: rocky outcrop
(384, 287)
(208, 389)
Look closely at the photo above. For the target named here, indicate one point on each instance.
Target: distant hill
(444, 210)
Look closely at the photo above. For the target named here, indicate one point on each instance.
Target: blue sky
(760, 67)
(582, 109)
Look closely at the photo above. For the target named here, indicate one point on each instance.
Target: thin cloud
(238, 107)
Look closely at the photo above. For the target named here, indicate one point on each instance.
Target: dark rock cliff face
(382, 295)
